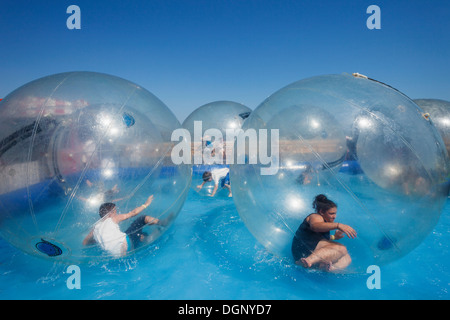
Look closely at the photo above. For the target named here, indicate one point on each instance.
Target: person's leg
(134, 231)
(342, 263)
(326, 254)
(225, 183)
(151, 220)
(229, 189)
(156, 232)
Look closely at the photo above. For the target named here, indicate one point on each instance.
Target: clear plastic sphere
(212, 128)
(72, 141)
(364, 145)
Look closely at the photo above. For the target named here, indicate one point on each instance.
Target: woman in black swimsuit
(313, 246)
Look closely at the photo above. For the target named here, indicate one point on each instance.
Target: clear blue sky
(189, 53)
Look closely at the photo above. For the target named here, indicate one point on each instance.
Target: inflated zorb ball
(212, 128)
(70, 142)
(363, 144)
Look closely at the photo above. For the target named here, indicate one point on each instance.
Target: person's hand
(338, 235)
(149, 200)
(347, 230)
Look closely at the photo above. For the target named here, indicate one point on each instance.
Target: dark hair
(206, 175)
(322, 204)
(106, 208)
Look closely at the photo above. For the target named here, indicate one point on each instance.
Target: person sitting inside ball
(106, 232)
(219, 176)
(313, 246)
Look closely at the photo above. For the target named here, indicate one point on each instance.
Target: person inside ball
(218, 176)
(106, 232)
(314, 246)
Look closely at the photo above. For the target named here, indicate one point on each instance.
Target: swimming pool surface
(208, 253)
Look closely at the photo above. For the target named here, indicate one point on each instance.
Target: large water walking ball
(212, 128)
(365, 145)
(439, 112)
(72, 141)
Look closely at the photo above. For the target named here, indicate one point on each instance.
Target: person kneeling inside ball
(107, 233)
(313, 246)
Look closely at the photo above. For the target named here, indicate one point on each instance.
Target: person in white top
(221, 175)
(106, 232)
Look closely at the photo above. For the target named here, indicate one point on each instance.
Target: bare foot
(164, 222)
(304, 262)
(151, 220)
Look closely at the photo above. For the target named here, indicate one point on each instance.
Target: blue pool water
(208, 253)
